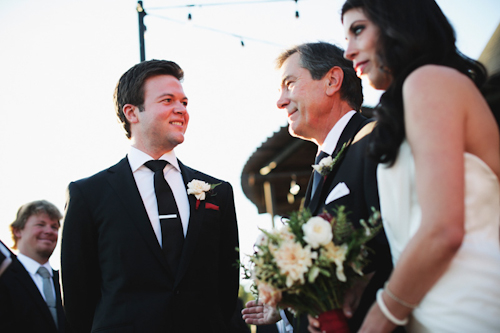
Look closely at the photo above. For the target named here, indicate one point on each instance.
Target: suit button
(177, 292)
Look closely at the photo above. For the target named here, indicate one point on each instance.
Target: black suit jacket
(115, 275)
(358, 172)
(22, 307)
(4, 257)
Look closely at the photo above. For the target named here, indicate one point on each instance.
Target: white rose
(198, 188)
(317, 231)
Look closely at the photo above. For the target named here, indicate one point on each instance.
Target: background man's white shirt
(32, 267)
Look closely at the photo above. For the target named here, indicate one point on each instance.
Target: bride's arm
(435, 100)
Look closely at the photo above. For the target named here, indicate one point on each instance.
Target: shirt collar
(137, 158)
(32, 265)
(333, 136)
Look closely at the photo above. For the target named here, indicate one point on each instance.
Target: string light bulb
(139, 8)
(294, 188)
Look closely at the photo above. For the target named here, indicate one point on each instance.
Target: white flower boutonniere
(325, 166)
(200, 189)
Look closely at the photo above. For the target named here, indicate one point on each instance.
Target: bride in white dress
(439, 148)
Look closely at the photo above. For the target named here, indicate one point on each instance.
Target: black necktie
(172, 236)
(317, 178)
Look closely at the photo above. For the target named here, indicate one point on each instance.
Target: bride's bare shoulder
(434, 87)
(436, 78)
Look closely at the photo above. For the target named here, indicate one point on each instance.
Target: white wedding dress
(467, 297)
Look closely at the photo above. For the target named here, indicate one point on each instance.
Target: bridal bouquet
(309, 263)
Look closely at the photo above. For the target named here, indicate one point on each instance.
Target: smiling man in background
(30, 293)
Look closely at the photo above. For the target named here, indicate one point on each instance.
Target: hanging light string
(221, 4)
(239, 37)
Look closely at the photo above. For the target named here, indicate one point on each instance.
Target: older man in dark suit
(30, 294)
(322, 96)
(148, 243)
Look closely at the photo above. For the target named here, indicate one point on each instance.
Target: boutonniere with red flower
(200, 190)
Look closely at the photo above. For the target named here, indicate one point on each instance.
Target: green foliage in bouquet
(309, 263)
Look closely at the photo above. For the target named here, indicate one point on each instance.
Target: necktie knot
(156, 165)
(321, 156)
(43, 272)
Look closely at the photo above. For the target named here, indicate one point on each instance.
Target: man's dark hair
(130, 87)
(318, 58)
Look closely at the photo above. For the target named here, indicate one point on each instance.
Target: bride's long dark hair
(413, 33)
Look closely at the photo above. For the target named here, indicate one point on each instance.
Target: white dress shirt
(32, 267)
(333, 136)
(284, 325)
(144, 178)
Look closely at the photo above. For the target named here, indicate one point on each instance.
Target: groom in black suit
(139, 252)
(322, 96)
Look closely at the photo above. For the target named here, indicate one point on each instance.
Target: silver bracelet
(395, 298)
(387, 313)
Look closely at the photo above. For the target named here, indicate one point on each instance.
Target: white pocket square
(338, 191)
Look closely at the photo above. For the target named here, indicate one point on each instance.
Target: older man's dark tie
(317, 178)
(172, 235)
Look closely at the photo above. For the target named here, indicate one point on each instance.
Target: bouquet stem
(333, 321)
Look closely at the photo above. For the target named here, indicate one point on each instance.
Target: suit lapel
(356, 122)
(194, 227)
(60, 311)
(27, 282)
(122, 180)
(353, 126)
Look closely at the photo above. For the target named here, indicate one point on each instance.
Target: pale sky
(60, 61)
